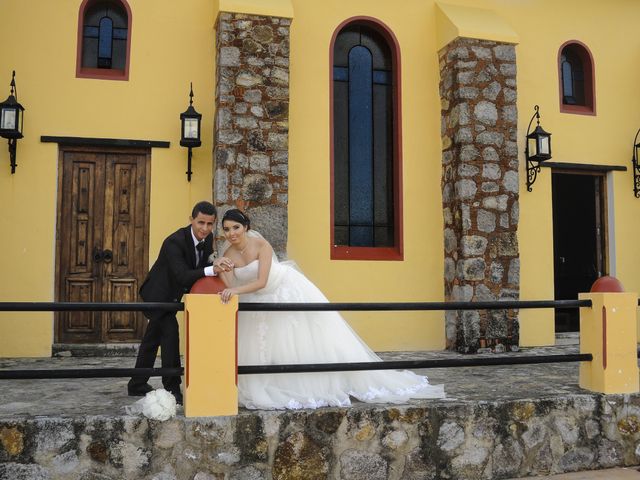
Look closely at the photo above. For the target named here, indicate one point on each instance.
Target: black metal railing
(292, 307)
(298, 368)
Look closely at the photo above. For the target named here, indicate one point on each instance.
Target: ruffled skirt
(267, 338)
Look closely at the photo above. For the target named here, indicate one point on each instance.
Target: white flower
(156, 405)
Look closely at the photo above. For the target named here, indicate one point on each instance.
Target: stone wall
(252, 121)
(480, 190)
(481, 440)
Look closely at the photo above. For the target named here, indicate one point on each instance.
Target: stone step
(94, 349)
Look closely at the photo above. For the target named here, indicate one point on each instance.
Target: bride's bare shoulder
(262, 243)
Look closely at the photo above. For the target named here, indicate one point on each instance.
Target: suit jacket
(175, 270)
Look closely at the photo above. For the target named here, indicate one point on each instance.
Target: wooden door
(102, 239)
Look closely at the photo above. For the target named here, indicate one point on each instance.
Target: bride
(268, 338)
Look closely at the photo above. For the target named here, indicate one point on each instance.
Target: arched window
(576, 73)
(104, 32)
(366, 216)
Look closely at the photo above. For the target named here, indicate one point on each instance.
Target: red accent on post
(208, 285)
(604, 338)
(607, 284)
(186, 323)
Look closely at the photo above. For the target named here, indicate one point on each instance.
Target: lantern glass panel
(8, 119)
(533, 146)
(543, 145)
(190, 128)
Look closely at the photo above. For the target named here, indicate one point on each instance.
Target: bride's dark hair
(236, 215)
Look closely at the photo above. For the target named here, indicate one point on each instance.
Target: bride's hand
(223, 264)
(226, 294)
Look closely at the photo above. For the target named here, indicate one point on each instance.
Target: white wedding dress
(266, 338)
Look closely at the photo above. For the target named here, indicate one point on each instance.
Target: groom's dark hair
(205, 208)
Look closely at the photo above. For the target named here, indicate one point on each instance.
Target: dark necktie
(200, 249)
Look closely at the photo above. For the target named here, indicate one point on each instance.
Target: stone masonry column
(480, 191)
(252, 121)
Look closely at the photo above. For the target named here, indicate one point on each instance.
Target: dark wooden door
(102, 233)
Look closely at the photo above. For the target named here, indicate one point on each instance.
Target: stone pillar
(480, 190)
(252, 121)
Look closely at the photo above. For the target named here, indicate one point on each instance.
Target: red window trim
(101, 73)
(341, 252)
(589, 80)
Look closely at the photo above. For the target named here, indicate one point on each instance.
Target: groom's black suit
(172, 275)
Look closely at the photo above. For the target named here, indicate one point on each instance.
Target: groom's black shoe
(139, 390)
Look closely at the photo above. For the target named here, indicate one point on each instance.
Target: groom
(183, 259)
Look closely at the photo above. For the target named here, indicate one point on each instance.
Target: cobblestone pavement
(73, 397)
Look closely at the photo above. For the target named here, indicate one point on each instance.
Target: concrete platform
(498, 422)
(608, 474)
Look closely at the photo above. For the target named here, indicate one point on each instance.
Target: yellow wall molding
(453, 21)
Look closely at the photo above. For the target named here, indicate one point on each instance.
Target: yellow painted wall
(40, 44)
(606, 139)
(420, 276)
(602, 139)
(173, 45)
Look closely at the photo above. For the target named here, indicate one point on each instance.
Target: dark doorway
(579, 222)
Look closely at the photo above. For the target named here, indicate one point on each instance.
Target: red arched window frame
(340, 252)
(101, 73)
(588, 70)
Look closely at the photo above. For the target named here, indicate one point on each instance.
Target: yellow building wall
(604, 139)
(170, 47)
(420, 276)
(541, 28)
(173, 45)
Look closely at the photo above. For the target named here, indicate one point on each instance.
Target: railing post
(211, 382)
(608, 332)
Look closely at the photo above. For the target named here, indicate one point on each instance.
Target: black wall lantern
(11, 121)
(537, 149)
(190, 137)
(636, 168)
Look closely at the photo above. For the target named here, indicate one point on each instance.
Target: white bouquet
(156, 405)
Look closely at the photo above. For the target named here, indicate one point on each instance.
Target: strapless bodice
(249, 272)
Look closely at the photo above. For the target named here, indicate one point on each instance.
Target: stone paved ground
(498, 422)
(108, 396)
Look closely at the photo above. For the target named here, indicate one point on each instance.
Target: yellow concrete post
(608, 332)
(211, 387)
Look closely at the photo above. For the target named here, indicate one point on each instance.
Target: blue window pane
(105, 32)
(119, 33)
(91, 32)
(381, 77)
(361, 236)
(106, 37)
(341, 74)
(360, 142)
(341, 156)
(567, 79)
(363, 139)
